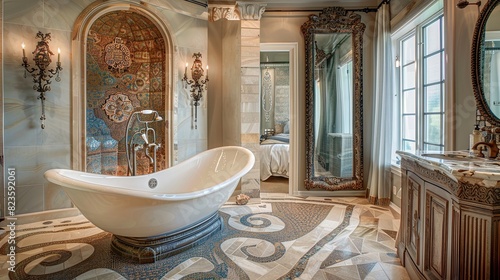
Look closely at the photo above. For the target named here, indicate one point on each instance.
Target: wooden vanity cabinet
(444, 232)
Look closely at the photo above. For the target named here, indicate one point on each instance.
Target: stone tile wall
(250, 105)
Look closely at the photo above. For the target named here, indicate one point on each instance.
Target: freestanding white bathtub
(167, 204)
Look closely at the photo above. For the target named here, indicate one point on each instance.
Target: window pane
(409, 146)
(432, 37)
(432, 68)
(409, 127)
(409, 102)
(432, 99)
(409, 76)
(433, 148)
(432, 129)
(408, 50)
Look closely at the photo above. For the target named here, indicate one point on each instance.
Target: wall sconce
(197, 85)
(397, 63)
(42, 76)
(464, 3)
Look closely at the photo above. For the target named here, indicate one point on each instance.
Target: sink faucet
(491, 148)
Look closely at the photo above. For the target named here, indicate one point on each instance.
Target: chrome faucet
(491, 148)
(148, 136)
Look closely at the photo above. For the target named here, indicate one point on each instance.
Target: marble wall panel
(251, 71)
(250, 109)
(251, 51)
(32, 161)
(248, 95)
(29, 199)
(24, 12)
(187, 31)
(252, 24)
(62, 14)
(55, 197)
(251, 113)
(249, 32)
(250, 128)
(250, 61)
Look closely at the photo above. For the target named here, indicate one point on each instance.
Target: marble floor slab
(283, 237)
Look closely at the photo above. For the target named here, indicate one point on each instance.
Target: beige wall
(462, 23)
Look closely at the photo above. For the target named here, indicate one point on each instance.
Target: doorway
(278, 107)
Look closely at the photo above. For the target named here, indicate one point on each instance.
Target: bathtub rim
(55, 176)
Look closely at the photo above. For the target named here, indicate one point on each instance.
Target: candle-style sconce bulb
(42, 75)
(197, 84)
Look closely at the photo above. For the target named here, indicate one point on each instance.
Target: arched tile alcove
(122, 63)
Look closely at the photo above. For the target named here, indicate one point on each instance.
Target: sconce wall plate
(41, 75)
(197, 84)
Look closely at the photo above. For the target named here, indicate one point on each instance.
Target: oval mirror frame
(477, 60)
(335, 20)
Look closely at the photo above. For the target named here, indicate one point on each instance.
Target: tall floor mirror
(334, 111)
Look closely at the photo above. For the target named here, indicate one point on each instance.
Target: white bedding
(274, 159)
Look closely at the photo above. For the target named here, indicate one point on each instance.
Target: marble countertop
(457, 164)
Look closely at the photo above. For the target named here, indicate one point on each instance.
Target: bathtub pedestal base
(152, 249)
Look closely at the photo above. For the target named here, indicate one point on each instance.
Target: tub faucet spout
(491, 148)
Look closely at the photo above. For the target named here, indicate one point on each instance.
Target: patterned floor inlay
(284, 237)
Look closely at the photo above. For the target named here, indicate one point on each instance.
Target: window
(421, 87)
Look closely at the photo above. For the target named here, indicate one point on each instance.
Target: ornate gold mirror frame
(335, 20)
(477, 63)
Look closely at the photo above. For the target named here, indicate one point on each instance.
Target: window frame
(416, 28)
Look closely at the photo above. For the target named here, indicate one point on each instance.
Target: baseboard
(395, 207)
(361, 193)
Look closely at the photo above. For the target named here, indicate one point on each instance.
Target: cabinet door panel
(436, 235)
(415, 184)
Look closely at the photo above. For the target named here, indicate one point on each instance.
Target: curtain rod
(365, 10)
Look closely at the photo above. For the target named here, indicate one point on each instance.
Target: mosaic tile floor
(283, 237)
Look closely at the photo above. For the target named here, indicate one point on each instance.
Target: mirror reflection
(491, 63)
(274, 119)
(333, 104)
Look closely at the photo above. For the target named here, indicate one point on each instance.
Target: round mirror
(486, 62)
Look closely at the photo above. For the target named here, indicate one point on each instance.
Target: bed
(274, 156)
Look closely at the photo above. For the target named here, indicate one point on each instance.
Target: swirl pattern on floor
(283, 237)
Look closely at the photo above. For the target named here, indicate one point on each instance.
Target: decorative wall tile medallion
(267, 94)
(118, 107)
(118, 55)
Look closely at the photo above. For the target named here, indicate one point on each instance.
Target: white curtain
(380, 172)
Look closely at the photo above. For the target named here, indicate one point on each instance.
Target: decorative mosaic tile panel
(125, 66)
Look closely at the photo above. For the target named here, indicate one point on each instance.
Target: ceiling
(316, 4)
(304, 4)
